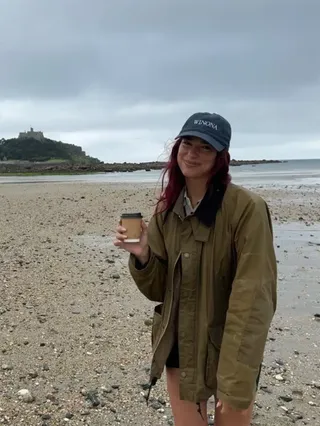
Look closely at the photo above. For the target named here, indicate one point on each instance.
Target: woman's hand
(140, 249)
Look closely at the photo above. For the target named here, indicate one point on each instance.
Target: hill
(34, 150)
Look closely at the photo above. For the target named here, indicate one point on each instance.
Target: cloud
(121, 79)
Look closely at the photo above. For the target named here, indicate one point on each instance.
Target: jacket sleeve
(252, 305)
(151, 278)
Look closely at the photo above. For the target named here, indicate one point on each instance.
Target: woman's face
(196, 158)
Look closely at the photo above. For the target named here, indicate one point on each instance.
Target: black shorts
(173, 360)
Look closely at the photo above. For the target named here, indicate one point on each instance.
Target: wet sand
(75, 331)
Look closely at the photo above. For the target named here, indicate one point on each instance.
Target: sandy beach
(75, 331)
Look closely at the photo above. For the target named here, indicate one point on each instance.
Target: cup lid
(131, 216)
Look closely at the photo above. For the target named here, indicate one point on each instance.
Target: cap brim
(215, 144)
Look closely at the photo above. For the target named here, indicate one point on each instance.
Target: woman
(207, 257)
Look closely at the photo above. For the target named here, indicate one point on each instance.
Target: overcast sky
(120, 77)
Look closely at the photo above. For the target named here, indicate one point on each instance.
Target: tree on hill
(30, 149)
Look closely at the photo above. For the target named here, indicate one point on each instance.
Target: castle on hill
(31, 134)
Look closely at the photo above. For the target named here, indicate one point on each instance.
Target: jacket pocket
(156, 324)
(213, 352)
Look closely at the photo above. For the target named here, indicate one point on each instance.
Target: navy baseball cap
(212, 128)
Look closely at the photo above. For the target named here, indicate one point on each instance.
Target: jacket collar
(209, 206)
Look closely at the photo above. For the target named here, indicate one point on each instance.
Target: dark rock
(162, 400)
(156, 405)
(145, 386)
(92, 397)
(46, 416)
(33, 374)
(285, 398)
(115, 276)
(115, 386)
(315, 385)
(68, 415)
(51, 397)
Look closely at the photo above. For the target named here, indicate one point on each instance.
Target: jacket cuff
(235, 402)
(138, 270)
(241, 383)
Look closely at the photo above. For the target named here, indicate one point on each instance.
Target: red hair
(176, 181)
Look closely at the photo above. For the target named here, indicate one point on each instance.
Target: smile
(191, 164)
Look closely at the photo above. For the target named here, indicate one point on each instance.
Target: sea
(291, 173)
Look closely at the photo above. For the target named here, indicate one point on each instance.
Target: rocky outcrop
(69, 168)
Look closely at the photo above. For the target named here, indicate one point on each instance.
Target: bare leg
(185, 413)
(233, 418)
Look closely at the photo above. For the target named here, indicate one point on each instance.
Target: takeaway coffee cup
(132, 223)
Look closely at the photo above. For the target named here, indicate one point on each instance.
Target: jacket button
(186, 255)
(183, 374)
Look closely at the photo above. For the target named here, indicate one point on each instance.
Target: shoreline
(292, 175)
